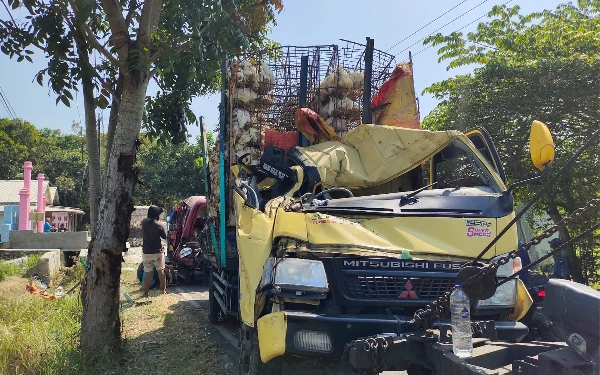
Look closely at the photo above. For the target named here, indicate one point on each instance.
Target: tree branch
(88, 34)
(148, 22)
(9, 13)
(85, 63)
(118, 27)
(95, 43)
(133, 6)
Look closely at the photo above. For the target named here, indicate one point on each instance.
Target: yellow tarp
(373, 154)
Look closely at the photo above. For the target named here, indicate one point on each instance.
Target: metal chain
(440, 306)
(373, 344)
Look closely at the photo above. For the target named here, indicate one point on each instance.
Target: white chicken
(265, 74)
(239, 118)
(337, 82)
(358, 80)
(244, 95)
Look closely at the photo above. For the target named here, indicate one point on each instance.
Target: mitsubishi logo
(408, 292)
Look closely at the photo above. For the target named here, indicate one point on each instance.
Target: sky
(302, 23)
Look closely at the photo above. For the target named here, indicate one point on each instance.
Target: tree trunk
(100, 325)
(574, 262)
(113, 117)
(91, 134)
(91, 138)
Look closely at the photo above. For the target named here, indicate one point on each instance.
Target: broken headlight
(293, 274)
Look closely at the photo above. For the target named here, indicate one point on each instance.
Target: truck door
(483, 142)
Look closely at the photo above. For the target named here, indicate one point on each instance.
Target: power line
(9, 109)
(7, 104)
(422, 39)
(469, 24)
(448, 11)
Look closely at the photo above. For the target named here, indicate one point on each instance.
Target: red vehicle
(183, 246)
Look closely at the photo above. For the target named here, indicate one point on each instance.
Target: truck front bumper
(307, 334)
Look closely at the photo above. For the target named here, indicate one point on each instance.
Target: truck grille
(391, 287)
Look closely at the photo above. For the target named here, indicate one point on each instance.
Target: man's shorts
(157, 259)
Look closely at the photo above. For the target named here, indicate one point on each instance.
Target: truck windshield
(457, 166)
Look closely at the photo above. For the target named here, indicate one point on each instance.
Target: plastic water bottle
(462, 335)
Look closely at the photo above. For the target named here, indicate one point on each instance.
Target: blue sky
(308, 22)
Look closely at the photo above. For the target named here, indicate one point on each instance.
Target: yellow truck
(325, 251)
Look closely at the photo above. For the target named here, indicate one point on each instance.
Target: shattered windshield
(457, 166)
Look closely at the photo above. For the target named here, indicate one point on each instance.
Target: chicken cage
(264, 89)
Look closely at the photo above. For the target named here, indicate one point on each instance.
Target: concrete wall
(47, 267)
(26, 239)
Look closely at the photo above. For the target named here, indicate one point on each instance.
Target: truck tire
(214, 309)
(249, 362)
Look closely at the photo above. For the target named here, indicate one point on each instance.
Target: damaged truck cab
(326, 232)
(379, 229)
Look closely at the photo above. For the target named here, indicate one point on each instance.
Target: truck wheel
(214, 309)
(249, 362)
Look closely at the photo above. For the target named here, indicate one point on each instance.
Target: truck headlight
(505, 296)
(295, 274)
(506, 270)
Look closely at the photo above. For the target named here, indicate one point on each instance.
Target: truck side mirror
(541, 145)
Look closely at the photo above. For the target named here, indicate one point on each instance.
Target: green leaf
(102, 102)
(65, 100)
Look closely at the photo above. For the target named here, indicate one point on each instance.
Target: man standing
(152, 233)
(47, 225)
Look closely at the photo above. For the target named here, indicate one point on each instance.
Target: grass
(9, 269)
(167, 336)
(35, 333)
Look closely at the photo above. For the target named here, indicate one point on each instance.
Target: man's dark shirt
(152, 232)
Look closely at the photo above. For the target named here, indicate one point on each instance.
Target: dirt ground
(174, 326)
(171, 335)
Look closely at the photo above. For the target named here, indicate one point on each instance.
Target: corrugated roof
(9, 192)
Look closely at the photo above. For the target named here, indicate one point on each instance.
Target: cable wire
(427, 24)
(9, 109)
(457, 18)
(469, 24)
(8, 102)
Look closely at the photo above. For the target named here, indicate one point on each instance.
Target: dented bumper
(291, 332)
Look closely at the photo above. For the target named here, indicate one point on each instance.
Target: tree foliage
(169, 173)
(180, 49)
(61, 157)
(542, 66)
(176, 43)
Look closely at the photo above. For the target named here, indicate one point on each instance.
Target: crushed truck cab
(318, 272)
(331, 237)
